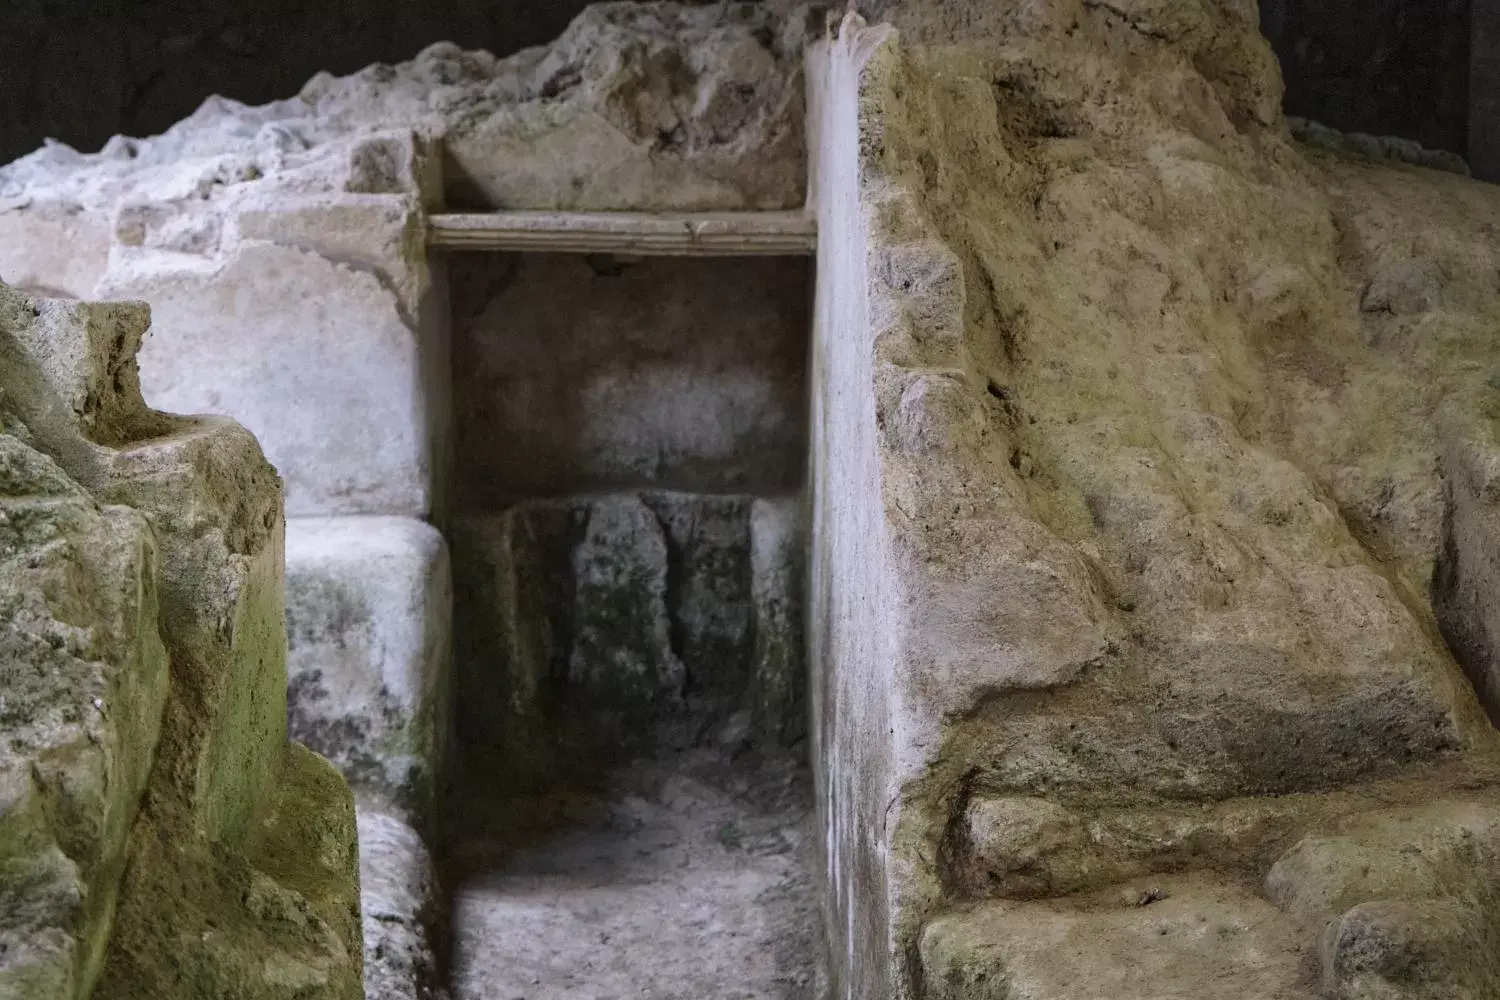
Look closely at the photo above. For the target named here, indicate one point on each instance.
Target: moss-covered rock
(83, 679)
(148, 789)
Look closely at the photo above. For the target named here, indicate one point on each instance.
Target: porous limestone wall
(159, 835)
(574, 374)
(1173, 520)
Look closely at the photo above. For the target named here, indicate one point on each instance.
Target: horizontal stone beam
(713, 234)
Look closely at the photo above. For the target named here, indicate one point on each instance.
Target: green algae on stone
(274, 919)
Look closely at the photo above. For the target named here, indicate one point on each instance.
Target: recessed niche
(629, 807)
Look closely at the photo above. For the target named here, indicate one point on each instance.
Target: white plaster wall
(854, 600)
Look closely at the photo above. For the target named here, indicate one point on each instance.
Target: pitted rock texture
(1182, 432)
(150, 810)
(1196, 938)
(636, 106)
(83, 673)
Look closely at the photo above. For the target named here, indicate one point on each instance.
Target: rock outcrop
(1178, 433)
(160, 837)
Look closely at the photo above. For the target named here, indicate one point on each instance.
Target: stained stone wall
(574, 374)
(626, 623)
(592, 619)
(282, 249)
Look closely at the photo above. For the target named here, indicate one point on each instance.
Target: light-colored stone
(328, 346)
(653, 106)
(369, 613)
(400, 905)
(313, 357)
(1197, 939)
(52, 247)
(853, 636)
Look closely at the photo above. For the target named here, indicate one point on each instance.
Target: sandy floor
(685, 877)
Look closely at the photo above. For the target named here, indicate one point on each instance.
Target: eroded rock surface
(1182, 436)
(161, 837)
(636, 106)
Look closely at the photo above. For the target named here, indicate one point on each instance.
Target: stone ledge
(368, 624)
(710, 234)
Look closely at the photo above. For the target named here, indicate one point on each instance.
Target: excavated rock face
(1183, 436)
(236, 221)
(159, 837)
(636, 106)
(84, 675)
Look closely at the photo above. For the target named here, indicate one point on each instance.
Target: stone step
(1181, 938)
(369, 620)
(1398, 902)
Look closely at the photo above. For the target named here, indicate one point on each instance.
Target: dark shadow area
(1390, 67)
(80, 71)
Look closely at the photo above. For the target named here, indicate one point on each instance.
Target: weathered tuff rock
(151, 810)
(1177, 441)
(653, 106)
(84, 676)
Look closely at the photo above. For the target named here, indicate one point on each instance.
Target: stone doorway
(629, 805)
